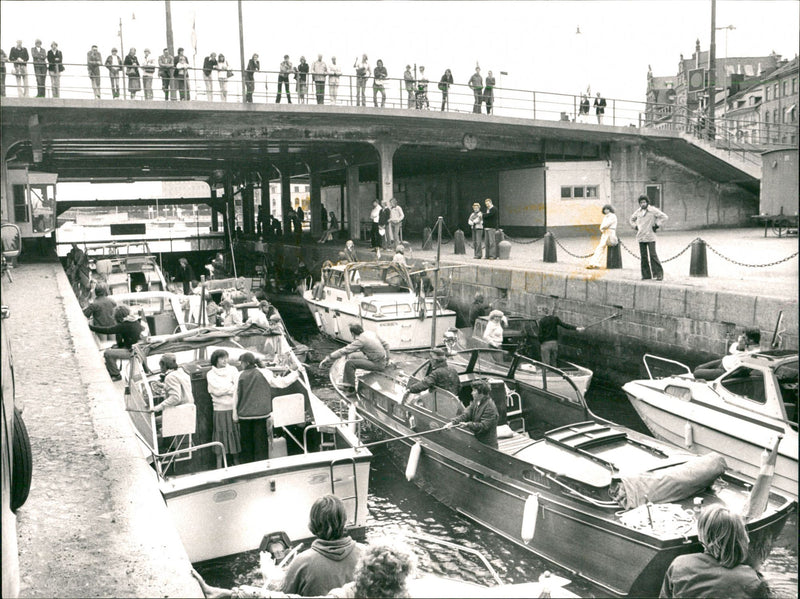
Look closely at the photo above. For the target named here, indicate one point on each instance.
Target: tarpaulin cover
(670, 484)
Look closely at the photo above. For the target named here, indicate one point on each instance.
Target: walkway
(94, 524)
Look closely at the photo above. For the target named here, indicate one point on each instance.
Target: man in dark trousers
(647, 220)
(128, 331)
(481, 416)
(490, 223)
(548, 336)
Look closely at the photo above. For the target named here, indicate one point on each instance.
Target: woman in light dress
(222, 380)
(608, 228)
(222, 75)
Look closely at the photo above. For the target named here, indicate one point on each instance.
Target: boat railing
(353, 497)
(458, 547)
(321, 427)
(655, 358)
(163, 461)
(575, 493)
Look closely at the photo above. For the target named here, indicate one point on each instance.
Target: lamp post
(727, 28)
(122, 55)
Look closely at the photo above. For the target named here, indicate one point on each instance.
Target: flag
(194, 36)
(759, 495)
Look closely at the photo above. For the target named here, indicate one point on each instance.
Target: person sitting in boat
(548, 335)
(177, 384)
(748, 342)
(399, 255)
(101, 310)
(228, 314)
(254, 405)
(216, 269)
(367, 351)
(385, 569)
(262, 316)
(350, 253)
(128, 330)
(481, 415)
(222, 380)
(478, 308)
(441, 375)
(331, 560)
(493, 333)
(720, 571)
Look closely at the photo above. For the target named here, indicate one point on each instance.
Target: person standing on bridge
(444, 85)
(476, 85)
(55, 64)
(363, 72)
(599, 108)
(148, 70)
(488, 92)
(165, 71)
(114, 66)
(302, 80)
(334, 73)
(39, 56)
(408, 78)
(94, 60)
(319, 70)
(223, 73)
(181, 74)
(283, 78)
(18, 56)
(209, 64)
(132, 71)
(379, 84)
(646, 221)
(250, 78)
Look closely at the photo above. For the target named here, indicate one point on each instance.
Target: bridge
(433, 162)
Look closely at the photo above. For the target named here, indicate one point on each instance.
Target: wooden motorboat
(515, 338)
(566, 484)
(224, 511)
(381, 297)
(737, 415)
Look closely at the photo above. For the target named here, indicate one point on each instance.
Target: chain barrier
(765, 265)
(558, 243)
(627, 249)
(429, 239)
(682, 252)
(519, 241)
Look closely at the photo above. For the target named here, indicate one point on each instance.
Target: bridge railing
(262, 87)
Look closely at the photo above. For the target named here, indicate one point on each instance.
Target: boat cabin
(126, 267)
(517, 335)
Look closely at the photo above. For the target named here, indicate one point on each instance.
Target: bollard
(698, 267)
(614, 256)
(499, 235)
(459, 246)
(504, 250)
(427, 242)
(549, 248)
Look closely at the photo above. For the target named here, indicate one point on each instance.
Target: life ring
(22, 466)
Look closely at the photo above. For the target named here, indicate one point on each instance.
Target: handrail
(338, 424)
(654, 357)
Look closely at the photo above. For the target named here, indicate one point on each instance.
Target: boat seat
(288, 409)
(179, 420)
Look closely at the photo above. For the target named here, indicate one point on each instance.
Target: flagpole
(194, 54)
(122, 60)
(241, 52)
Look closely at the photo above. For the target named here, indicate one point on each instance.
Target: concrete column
(353, 209)
(214, 213)
(316, 203)
(286, 199)
(248, 210)
(386, 151)
(230, 209)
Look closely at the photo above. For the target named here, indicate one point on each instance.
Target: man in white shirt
(319, 71)
(334, 72)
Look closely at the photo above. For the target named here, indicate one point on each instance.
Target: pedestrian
(94, 60)
(375, 237)
(608, 237)
(331, 560)
(209, 64)
(39, 56)
(477, 308)
(223, 74)
(181, 74)
(186, 276)
(319, 71)
(721, 570)
(408, 80)
(488, 92)
(379, 84)
(363, 72)
(55, 64)
(396, 218)
(422, 90)
(493, 333)
(475, 222)
(647, 221)
(253, 65)
(481, 415)
(114, 66)
(302, 80)
(367, 351)
(131, 63)
(548, 335)
(166, 71)
(334, 73)
(476, 85)
(583, 110)
(18, 56)
(222, 379)
(148, 70)
(444, 85)
(128, 330)
(440, 375)
(383, 224)
(490, 224)
(3, 61)
(255, 388)
(599, 108)
(285, 68)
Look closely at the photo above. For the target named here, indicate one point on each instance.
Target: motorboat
(516, 335)
(126, 267)
(595, 498)
(381, 297)
(227, 510)
(737, 415)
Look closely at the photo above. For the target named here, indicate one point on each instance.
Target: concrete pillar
(230, 209)
(214, 213)
(353, 209)
(286, 198)
(315, 178)
(265, 210)
(386, 152)
(248, 210)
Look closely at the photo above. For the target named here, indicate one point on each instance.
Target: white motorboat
(126, 267)
(223, 511)
(737, 415)
(515, 335)
(381, 297)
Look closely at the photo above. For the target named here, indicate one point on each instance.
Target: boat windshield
(378, 275)
(746, 382)
(787, 377)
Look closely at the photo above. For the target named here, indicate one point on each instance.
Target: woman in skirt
(222, 379)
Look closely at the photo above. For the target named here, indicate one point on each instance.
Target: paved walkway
(94, 524)
(741, 247)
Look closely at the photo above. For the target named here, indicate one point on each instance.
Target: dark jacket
(481, 420)
(55, 59)
(700, 575)
(254, 394)
(16, 53)
(490, 218)
(101, 311)
(208, 65)
(443, 377)
(383, 218)
(325, 566)
(128, 332)
(548, 328)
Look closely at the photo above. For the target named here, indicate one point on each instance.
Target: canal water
(398, 508)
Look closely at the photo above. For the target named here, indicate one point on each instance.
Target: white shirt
(375, 215)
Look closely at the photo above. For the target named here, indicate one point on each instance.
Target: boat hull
(740, 441)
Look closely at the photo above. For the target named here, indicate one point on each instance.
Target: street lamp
(727, 28)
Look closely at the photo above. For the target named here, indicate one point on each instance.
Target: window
(20, 204)
(794, 85)
(775, 89)
(297, 189)
(653, 193)
(785, 88)
(746, 382)
(579, 192)
(766, 93)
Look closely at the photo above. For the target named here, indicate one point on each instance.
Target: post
(439, 222)
(241, 52)
(122, 59)
(712, 75)
(170, 46)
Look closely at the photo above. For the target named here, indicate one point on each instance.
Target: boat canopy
(368, 278)
(249, 335)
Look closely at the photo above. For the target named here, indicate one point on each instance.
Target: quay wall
(682, 323)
